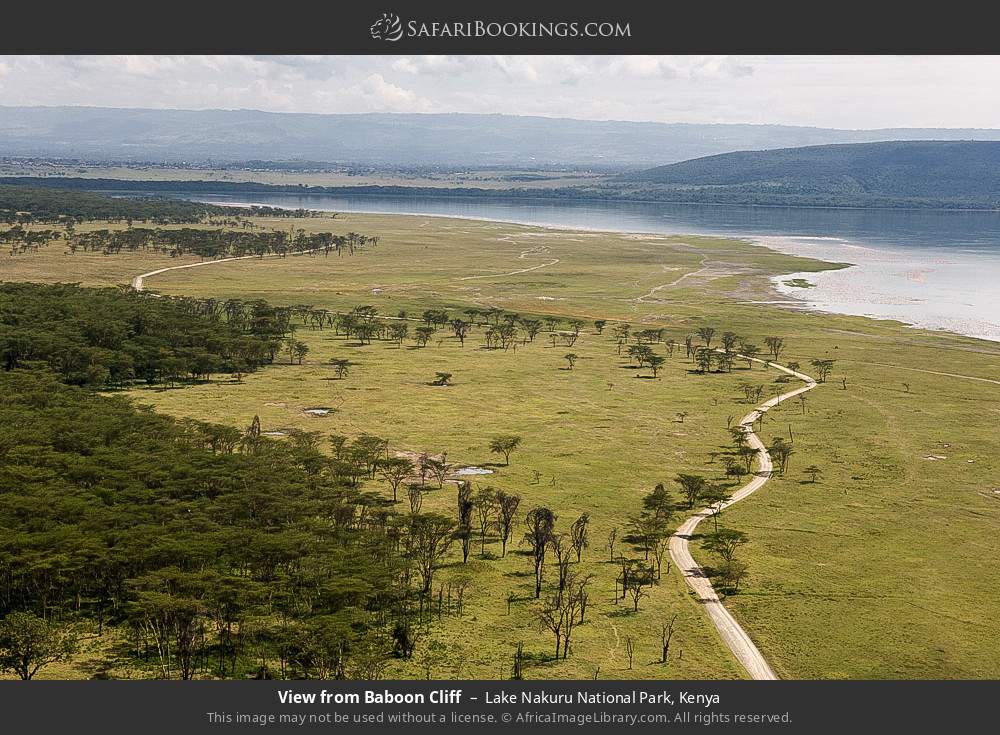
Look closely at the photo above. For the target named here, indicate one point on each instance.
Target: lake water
(932, 269)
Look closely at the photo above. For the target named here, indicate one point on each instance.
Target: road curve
(737, 639)
(139, 282)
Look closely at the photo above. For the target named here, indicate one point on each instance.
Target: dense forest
(112, 337)
(213, 551)
(201, 242)
(208, 550)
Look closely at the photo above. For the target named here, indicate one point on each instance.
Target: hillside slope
(897, 173)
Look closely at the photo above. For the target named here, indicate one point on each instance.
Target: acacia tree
(774, 345)
(398, 331)
(505, 444)
(655, 363)
(342, 367)
(415, 494)
(571, 358)
(635, 579)
(706, 334)
(749, 351)
(27, 643)
(438, 468)
(659, 503)
(486, 507)
(461, 328)
(823, 368)
(689, 349)
(506, 505)
(692, 486)
(725, 542)
(423, 335)
(541, 524)
(704, 358)
(442, 379)
(715, 495)
(428, 537)
(394, 471)
(301, 349)
(781, 451)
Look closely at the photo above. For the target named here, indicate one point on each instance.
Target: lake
(929, 268)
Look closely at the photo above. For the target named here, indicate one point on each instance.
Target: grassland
(883, 568)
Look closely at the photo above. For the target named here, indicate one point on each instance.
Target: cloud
(382, 95)
(860, 92)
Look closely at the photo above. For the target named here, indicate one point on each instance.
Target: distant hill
(404, 140)
(894, 174)
(921, 174)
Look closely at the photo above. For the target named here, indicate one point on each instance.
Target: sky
(836, 91)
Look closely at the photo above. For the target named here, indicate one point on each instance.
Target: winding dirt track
(737, 639)
(139, 282)
(522, 256)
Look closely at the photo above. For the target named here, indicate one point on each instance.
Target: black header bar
(439, 27)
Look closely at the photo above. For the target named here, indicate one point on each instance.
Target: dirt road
(737, 639)
(139, 282)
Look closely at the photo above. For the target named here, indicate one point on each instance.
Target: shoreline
(794, 299)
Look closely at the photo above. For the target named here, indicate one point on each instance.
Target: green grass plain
(884, 568)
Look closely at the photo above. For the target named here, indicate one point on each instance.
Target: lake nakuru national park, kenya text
(455, 696)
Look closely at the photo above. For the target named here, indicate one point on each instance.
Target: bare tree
(562, 549)
(580, 534)
(666, 633)
(465, 507)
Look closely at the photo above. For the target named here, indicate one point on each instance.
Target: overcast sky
(847, 92)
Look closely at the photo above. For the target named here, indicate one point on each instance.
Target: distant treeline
(112, 337)
(833, 192)
(204, 243)
(216, 243)
(41, 200)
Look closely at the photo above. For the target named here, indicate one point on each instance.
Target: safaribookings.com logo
(390, 28)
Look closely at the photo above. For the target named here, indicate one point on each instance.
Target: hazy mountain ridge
(893, 173)
(400, 139)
